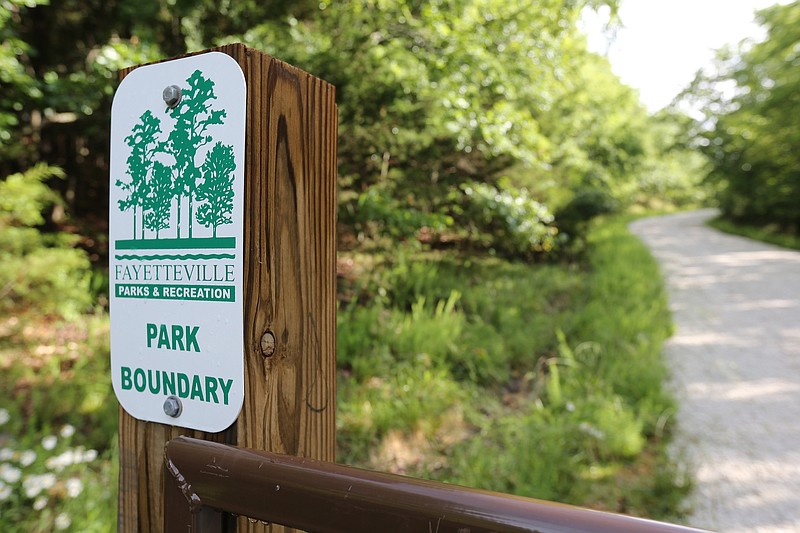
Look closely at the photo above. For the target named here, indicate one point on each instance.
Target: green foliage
(57, 458)
(508, 219)
(545, 380)
(25, 196)
(433, 96)
(674, 177)
(44, 486)
(17, 87)
(440, 102)
(585, 205)
(376, 213)
(40, 270)
(627, 289)
(751, 137)
(438, 97)
(770, 233)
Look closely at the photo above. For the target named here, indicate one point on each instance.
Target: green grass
(538, 380)
(769, 234)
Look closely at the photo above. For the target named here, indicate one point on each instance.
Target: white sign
(176, 232)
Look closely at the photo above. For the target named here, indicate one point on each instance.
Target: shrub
(586, 204)
(40, 270)
(507, 219)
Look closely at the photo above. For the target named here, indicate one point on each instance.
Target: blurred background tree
(750, 128)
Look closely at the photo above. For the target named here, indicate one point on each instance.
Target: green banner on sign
(208, 293)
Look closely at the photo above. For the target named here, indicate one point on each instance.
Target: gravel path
(735, 363)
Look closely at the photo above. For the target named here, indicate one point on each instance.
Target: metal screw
(171, 95)
(173, 407)
(267, 344)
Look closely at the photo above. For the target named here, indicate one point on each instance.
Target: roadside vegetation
(770, 233)
(543, 380)
(498, 326)
(749, 129)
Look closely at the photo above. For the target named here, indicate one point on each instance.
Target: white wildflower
(74, 487)
(40, 503)
(34, 485)
(63, 521)
(49, 442)
(31, 486)
(27, 457)
(4, 416)
(6, 454)
(65, 459)
(9, 474)
(5, 491)
(67, 431)
(89, 456)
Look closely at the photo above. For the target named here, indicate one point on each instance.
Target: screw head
(171, 95)
(173, 406)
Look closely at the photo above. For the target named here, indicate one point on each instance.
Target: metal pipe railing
(205, 478)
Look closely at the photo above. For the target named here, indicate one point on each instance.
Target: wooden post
(289, 290)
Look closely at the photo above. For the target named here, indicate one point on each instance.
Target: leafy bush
(42, 271)
(376, 213)
(585, 205)
(507, 219)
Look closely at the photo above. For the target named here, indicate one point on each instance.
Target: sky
(663, 43)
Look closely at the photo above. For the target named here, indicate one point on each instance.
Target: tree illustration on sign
(158, 199)
(143, 141)
(193, 116)
(217, 187)
(163, 173)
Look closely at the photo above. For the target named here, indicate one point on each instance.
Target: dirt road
(735, 362)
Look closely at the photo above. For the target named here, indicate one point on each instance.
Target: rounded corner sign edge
(176, 237)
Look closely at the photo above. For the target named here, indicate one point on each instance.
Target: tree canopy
(435, 97)
(750, 129)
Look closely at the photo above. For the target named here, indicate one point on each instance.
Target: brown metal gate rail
(205, 478)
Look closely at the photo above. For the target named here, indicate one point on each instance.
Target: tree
(158, 199)
(193, 115)
(143, 141)
(41, 271)
(217, 187)
(434, 96)
(751, 129)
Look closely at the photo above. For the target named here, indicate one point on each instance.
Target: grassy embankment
(540, 380)
(769, 234)
(543, 380)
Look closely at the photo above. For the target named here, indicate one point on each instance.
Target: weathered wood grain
(289, 289)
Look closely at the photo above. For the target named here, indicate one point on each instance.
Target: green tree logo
(163, 175)
(158, 197)
(143, 141)
(217, 187)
